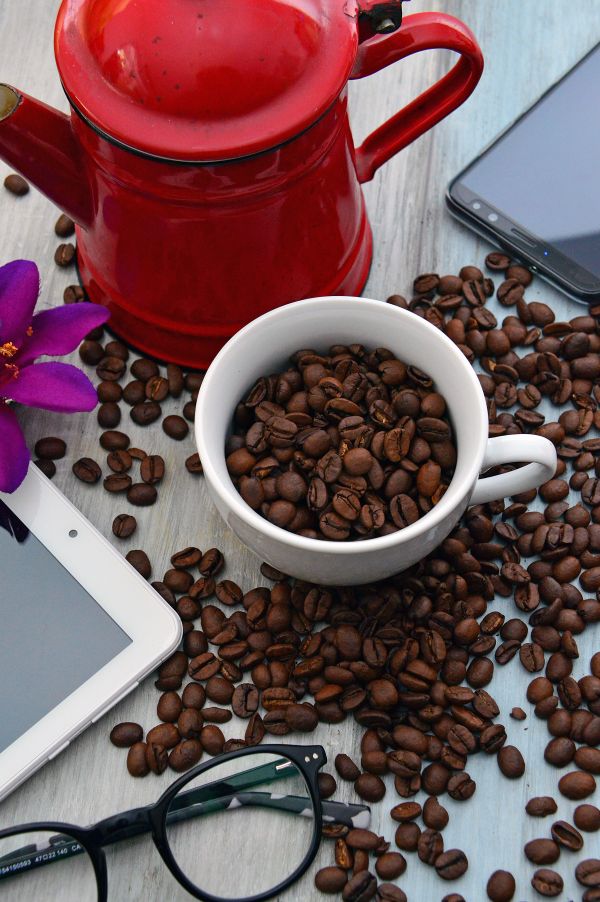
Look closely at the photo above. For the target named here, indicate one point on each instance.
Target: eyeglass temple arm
(332, 812)
(217, 796)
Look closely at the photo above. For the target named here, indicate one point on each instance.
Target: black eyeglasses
(247, 850)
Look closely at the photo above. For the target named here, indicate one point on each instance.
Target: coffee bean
(87, 470)
(542, 851)
(190, 722)
(359, 838)
(144, 369)
(156, 388)
(64, 254)
(189, 411)
(452, 864)
(109, 415)
(134, 392)
(406, 811)
(152, 469)
(588, 872)
(497, 261)
(541, 806)
(185, 755)
(193, 465)
(141, 494)
(50, 448)
(302, 717)
(139, 560)
(117, 349)
(390, 865)
(110, 369)
(124, 525)
(331, 880)
(175, 427)
(136, 760)
(212, 739)
(501, 886)
(560, 751)
(566, 835)
(430, 846)
(510, 762)
(165, 735)
(109, 391)
(435, 815)
(117, 482)
(407, 837)
(346, 767)
(360, 888)
(169, 707)
(369, 787)
(157, 758)
(124, 735)
(577, 785)
(64, 226)
(587, 817)
(114, 441)
(461, 787)
(48, 467)
(74, 294)
(145, 413)
(16, 184)
(547, 882)
(588, 759)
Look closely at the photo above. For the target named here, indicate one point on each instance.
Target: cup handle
(422, 31)
(505, 449)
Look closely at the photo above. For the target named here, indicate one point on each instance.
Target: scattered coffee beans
(408, 660)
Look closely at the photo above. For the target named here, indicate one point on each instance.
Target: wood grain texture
(526, 46)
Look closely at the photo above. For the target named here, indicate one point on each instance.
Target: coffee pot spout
(39, 142)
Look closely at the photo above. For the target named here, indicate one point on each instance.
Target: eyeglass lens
(243, 826)
(24, 875)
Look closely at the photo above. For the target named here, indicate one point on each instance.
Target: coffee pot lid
(204, 79)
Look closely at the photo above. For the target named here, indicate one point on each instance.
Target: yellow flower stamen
(8, 349)
(29, 331)
(13, 368)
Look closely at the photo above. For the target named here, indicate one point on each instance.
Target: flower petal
(59, 331)
(19, 289)
(53, 386)
(14, 456)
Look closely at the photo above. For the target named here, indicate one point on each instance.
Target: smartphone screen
(542, 178)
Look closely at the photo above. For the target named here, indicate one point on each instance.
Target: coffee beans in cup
(346, 445)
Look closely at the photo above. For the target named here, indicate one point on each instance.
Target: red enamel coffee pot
(208, 160)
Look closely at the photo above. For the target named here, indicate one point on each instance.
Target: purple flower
(25, 337)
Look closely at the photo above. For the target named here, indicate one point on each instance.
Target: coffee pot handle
(422, 31)
(506, 449)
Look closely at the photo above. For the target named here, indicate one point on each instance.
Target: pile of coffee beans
(410, 659)
(348, 444)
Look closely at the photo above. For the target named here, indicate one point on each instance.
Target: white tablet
(79, 627)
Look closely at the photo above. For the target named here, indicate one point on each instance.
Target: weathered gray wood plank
(527, 46)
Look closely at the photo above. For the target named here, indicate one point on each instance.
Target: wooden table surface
(526, 46)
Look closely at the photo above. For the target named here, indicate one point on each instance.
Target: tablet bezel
(154, 628)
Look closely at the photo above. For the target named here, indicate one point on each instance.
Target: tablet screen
(53, 634)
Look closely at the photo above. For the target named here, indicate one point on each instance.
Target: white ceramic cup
(265, 345)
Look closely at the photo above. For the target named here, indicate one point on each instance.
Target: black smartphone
(535, 190)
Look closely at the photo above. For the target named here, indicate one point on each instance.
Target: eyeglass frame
(153, 819)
